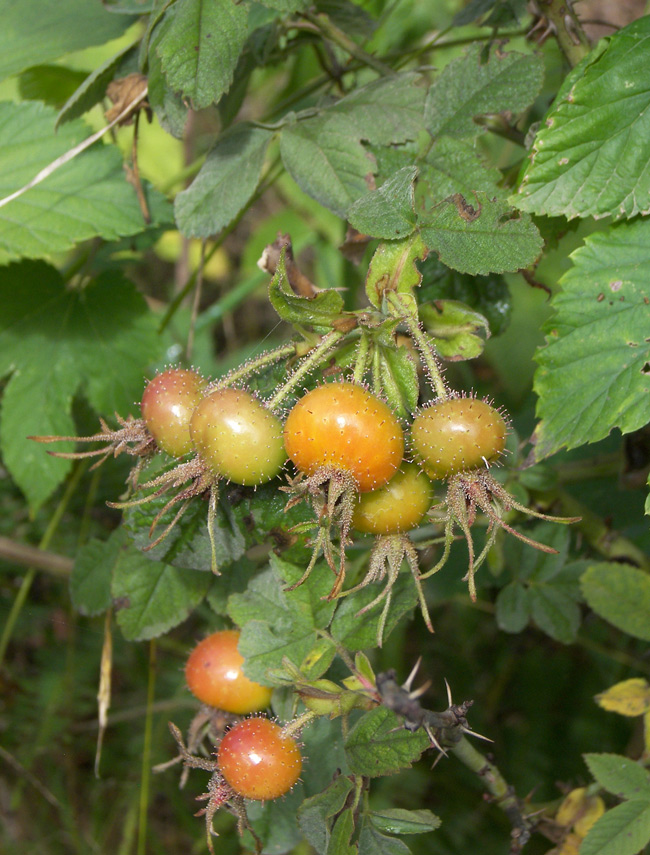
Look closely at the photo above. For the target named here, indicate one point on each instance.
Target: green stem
(146, 753)
(315, 357)
(338, 37)
(567, 29)
(256, 364)
(494, 782)
(422, 343)
(363, 354)
(30, 575)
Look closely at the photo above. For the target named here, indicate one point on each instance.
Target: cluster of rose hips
(348, 449)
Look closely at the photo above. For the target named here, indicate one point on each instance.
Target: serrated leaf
(393, 268)
(56, 341)
(327, 161)
(169, 106)
(630, 697)
(624, 830)
(324, 153)
(87, 197)
(401, 821)
(188, 543)
(618, 775)
(459, 332)
(356, 632)
(225, 182)
(555, 611)
(373, 842)
(469, 87)
(454, 166)
(199, 45)
(151, 597)
(315, 811)
(593, 371)
(512, 608)
(398, 374)
(36, 32)
(93, 88)
(319, 311)
(339, 842)
(388, 211)
(591, 155)
(90, 581)
(378, 745)
(480, 236)
(621, 595)
(277, 623)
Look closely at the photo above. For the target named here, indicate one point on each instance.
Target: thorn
(449, 700)
(409, 680)
(477, 735)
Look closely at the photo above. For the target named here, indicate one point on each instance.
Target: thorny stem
(494, 782)
(245, 370)
(313, 358)
(566, 28)
(323, 23)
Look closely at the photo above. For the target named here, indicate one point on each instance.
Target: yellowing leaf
(631, 697)
(571, 807)
(594, 809)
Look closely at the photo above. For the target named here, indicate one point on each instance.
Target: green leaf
(488, 295)
(378, 745)
(360, 633)
(594, 371)
(455, 328)
(398, 373)
(401, 821)
(454, 166)
(87, 197)
(555, 612)
(327, 161)
(319, 311)
(387, 212)
(34, 32)
(591, 156)
(324, 154)
(481, 236)
(199, 44)
(621, 595)
(56, 341)
(393, 268)
(624, 830)
(314, 813)
(512, 608)
(188, 543)
(52, 84)
(278, 623)
(90, 582)
(622, 777)
(469, 87)
(339, 843)
(225, 182)
(93, 88)
(373, 842)
(170, 108)
(152, 597)
(285, 6)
